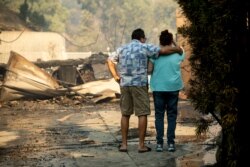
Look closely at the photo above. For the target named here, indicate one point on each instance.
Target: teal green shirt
(166, 75)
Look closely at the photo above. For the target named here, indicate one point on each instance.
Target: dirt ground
(63, 133)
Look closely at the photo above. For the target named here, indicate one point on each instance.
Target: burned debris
(86, 79)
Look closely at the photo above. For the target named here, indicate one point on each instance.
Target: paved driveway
(43, 133)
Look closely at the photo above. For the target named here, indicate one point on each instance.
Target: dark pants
(165, 101)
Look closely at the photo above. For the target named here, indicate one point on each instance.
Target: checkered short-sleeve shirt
(132, 60)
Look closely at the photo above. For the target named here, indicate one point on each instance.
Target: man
(128, 66)
(165, 83)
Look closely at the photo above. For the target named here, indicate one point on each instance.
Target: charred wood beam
(54, 63)
(93, 59)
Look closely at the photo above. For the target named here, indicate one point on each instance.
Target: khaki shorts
(135, 99)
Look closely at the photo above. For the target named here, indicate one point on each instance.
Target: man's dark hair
(138, 34)
(166, 38)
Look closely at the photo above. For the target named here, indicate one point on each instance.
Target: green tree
(46, 15)
(12, 5)
(219, 36)
(95, 25)
(117, 19)
(24, 9)
(82, 28)
(49, 15)
(163, 17)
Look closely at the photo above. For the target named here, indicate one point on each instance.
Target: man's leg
(124, 130)
(142, 126)
(126, 110)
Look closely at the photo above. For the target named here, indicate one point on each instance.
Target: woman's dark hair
(138, 34)
(166, 38)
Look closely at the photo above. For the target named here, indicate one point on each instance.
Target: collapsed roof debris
(25, 80)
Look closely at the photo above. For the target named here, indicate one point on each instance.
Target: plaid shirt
(132, 61)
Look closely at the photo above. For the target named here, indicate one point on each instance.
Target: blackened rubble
(26, 80)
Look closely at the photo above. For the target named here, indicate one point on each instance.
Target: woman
(165, 83)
